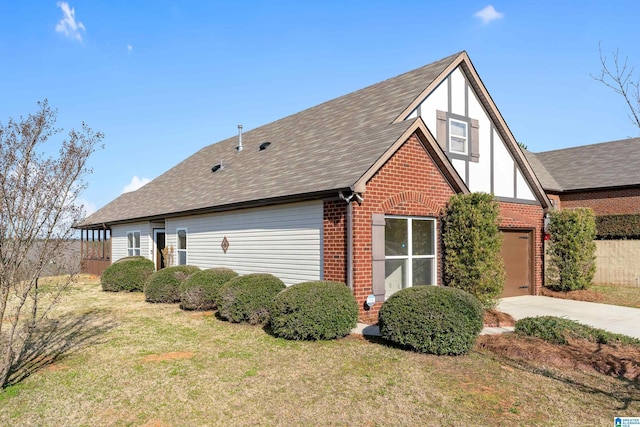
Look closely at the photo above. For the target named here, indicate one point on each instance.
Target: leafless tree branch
(37, 209)
(618, 76)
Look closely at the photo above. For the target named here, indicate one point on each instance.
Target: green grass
(130, 363)
(628, 296)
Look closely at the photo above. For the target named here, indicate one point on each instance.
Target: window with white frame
(181, 246)
(410, 253)
(458, 136)
(133, 243)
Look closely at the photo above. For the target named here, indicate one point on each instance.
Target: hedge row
(618, 227)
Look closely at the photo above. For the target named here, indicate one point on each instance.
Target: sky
(163, 79)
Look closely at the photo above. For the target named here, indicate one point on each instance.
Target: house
(351, 190)
(604, 177)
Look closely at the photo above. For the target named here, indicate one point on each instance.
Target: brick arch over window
(407, 200)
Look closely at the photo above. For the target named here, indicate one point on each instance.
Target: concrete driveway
(613, 318)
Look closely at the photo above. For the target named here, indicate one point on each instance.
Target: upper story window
(181, 246)
(458, 137)
(133, 243)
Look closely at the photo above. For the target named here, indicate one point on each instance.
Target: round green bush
(248, 298)
(164, 285)
(200, 290)
(127, 274)
(314, 311)
(432, 319)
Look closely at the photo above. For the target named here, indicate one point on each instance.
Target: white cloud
(87, 206)
(488, 14)
(129, 49)
(135, 184)
(68, 24)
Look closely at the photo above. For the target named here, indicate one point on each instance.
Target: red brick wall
(335, 241)
(407, 184)
(516, 215)
(604, 202)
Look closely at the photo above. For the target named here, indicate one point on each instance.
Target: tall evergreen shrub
(571, 250)
(472, 244)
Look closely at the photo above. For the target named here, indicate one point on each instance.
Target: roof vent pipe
(239, 147)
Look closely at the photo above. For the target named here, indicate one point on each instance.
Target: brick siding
(604, 202)
(410, 184)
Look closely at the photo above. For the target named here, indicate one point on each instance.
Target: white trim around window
(133, 243)
(181, 246)
(410, 252)
(458, 136)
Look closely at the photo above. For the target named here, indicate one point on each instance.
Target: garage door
(516, 252)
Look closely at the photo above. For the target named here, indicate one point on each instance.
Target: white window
(458, 136)
(133, 243)
(181, 247)
(410, 253)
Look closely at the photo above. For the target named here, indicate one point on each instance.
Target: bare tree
(38, 194)
(618, 76)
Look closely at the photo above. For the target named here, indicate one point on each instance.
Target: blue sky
(163, 79)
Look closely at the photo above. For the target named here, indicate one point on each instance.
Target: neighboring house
(351, 190)
(604, 177)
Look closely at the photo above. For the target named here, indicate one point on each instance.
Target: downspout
(348, 199)
(350, 246)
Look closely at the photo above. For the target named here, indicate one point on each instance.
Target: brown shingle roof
(608, 164)
(324, 148)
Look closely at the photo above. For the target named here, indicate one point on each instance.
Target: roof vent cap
(217, 167)
(264, 145)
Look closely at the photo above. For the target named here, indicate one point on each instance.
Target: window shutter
(475, 141)
(377, 256)
(441, 129)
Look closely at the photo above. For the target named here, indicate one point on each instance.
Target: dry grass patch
(237, 374)
(627, 296)
(173, 355)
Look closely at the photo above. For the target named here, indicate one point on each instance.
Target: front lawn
(124, 362)
(628, 296)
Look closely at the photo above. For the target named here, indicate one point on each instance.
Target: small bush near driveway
(127, 274)
(432, 319)
(248, 298)
(317, 310)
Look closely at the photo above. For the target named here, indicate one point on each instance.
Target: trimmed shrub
(318, 310)
(432, 319)
(164, 285)
(472, 244)
(248, 298)
(557, 330)
(618, 227)
(127, 274)
(200, 290)
(571, 249)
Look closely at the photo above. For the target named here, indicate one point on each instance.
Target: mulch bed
(620, 361)
(494, 319)
(579, 295)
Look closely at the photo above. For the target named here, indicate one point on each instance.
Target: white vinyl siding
(283, 240)
(119, 243)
